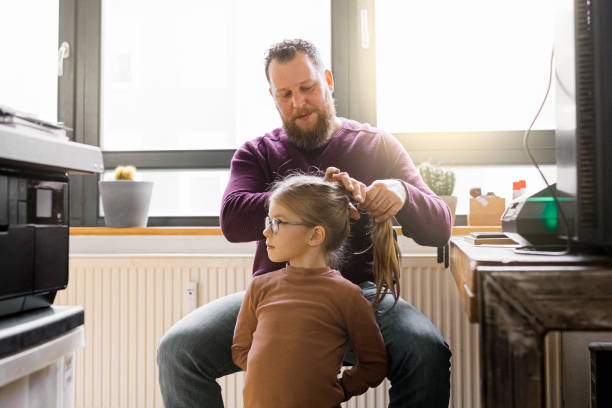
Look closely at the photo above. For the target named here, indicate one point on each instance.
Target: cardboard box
(486, 210)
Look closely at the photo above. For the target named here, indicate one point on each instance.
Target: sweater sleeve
(425, 217)
(243, 207)
(369, 347)
(243, 332)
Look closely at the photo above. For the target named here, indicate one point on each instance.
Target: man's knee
(420, 376)
(167, 349)
(422, 350)
(180, 344)
(432, 350)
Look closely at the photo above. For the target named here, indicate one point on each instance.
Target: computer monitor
(583, 82)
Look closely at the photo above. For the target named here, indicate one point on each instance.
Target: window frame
(79, 107)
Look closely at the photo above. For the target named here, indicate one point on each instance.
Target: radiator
(130, 302)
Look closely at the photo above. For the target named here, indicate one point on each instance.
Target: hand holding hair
(354, 187)
(384, 199)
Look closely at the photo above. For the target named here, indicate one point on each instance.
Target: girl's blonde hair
(319, 202)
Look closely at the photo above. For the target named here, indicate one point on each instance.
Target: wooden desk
(517, 299)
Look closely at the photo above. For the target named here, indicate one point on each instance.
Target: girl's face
(291, 241)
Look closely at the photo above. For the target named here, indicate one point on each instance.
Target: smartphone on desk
(489, 238)
(479, 235)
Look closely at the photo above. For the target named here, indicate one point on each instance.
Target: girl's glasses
(275, 223)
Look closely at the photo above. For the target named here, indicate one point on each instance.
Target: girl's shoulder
(262, 285)
(343, 283)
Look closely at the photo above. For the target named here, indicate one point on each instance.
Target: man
(384, 182)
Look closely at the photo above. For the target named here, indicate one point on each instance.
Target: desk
(517, 299)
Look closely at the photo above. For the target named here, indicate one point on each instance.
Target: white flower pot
(126, 202)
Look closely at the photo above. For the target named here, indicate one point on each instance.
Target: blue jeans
(197, 350)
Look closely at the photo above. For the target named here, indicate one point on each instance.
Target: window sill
(457, 230)
(193, 241)
(146, 231)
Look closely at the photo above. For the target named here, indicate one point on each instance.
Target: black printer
(34, 219)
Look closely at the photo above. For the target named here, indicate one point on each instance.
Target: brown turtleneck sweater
(291, 336)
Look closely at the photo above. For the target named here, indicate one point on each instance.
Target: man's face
(302, 95)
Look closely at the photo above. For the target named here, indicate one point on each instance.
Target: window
(175, 90)
(196, 85)
(452, 74)
(28, 73)
(459, 82)
(181, 86)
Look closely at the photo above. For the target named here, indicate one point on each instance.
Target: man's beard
(320, 134)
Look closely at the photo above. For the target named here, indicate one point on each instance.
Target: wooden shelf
(459, 230)
(146, 231)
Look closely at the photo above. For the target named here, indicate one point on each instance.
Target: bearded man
(382, 179)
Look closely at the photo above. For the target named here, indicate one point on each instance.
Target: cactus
(440, 181)
(125, 172)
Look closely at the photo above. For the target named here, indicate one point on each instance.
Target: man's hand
(384, 199)
(356, 188)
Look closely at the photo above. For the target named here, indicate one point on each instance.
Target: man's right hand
(356, 188)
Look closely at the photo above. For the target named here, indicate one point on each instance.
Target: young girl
(295, 323)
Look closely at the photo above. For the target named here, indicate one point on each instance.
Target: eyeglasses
(275, 223)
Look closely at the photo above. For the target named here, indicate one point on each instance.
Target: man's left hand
(354, 187)
(384, 199)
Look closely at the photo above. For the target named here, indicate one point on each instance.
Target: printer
(34, 218)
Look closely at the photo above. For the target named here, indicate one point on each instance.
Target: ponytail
(387, 257)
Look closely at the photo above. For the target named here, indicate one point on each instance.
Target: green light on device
(550, 216)
(550, 212)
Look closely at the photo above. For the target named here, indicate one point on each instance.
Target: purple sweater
(366, 153)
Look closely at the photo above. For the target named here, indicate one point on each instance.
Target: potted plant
(442, 182)
(125, 200)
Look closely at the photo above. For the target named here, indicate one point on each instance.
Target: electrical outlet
(190, 297)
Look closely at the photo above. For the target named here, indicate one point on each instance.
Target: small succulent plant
(441, 181)
(125, 172)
